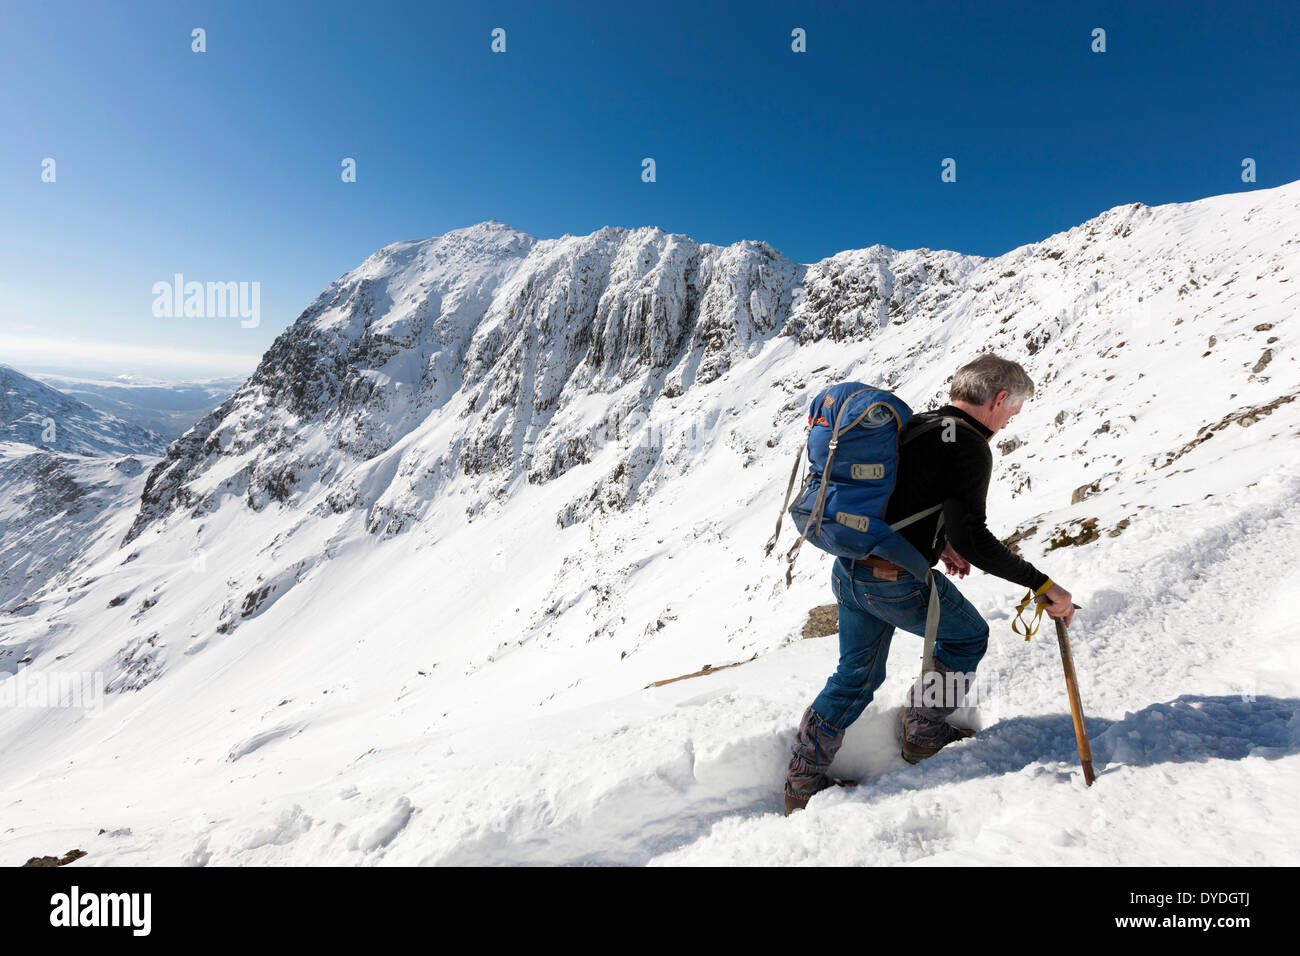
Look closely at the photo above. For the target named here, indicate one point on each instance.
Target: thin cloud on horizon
(116, 358)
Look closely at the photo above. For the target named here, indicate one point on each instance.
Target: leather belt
(885, 570)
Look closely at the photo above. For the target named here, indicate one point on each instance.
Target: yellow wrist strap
(1030, 627)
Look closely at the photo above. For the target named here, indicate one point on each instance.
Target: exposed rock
(1244, 417)
(1085, 491)
(1098, 485)
(823, 621)
(67, 858)
(1012, 541)
(138, 664)
(1085, 533)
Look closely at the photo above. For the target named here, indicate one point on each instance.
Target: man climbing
(947, 463)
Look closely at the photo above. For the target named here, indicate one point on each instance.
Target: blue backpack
(853, 444)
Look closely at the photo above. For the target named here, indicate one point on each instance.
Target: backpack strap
(931, 625)
(789, 488)
(912, 519)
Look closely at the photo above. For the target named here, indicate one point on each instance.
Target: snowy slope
(35, 414)
(52, 508)
(168, 408)
(398, 599)
(65, 470)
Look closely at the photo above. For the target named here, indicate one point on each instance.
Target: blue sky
(225, 165)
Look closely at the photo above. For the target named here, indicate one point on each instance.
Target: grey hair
(978, 381)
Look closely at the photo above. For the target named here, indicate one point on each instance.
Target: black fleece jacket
(956, 472)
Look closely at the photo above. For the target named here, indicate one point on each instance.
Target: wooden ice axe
(1076, 706)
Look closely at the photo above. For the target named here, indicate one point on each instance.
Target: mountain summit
(428, 587)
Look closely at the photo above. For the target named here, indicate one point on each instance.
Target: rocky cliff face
(485, 357)
(521, 349)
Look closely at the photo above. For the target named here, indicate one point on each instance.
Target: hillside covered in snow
(404, 596)
(33, 413)
(65, 469)
(166, 407)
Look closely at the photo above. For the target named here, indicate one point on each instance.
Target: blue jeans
(870, 609)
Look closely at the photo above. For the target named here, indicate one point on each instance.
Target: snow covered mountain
(402, 596)
(52, 508)
(486, 355)
(168, 408)
(64, 467)
(35, 414)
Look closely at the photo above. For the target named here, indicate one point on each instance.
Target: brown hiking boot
(923, 721)
(914, 751)
(793, 803)
(815, 745)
